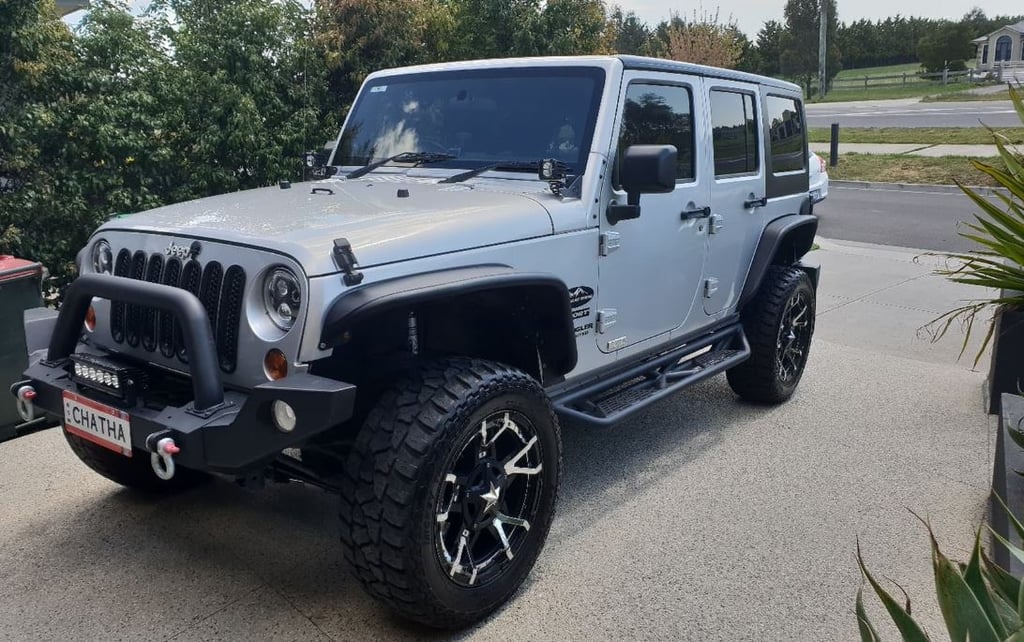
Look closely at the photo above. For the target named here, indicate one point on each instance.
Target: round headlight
(102, 257)
(282, 297)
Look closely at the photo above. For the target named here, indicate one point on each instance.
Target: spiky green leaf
(1014, 522)
(907, 626)
(1005, 585)
(867, 630)
(965, 617)
(975, 580)
(1012, 549)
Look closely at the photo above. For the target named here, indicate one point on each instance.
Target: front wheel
(779, 324)
(450, 490)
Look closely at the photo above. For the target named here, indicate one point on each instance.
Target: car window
(734, 133)
(479, 116)
(659, 115)
(787, 134)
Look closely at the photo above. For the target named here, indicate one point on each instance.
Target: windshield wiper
(418, 158)
(511, 165)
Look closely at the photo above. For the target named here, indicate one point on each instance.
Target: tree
(946, 47)
(201, 97)
(83, 122)
(749, 58)
(703, 39)
(769, 48)
(573, 27)
(357, 37)
(800, 41)
(627, 34)
(489, 29)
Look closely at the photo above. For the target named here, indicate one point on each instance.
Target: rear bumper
(819, 188)
(218, 430)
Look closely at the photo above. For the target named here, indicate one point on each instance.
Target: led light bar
(119, 381)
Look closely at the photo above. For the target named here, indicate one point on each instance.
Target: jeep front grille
(219, 290)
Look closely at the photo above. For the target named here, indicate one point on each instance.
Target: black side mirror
(645, 169)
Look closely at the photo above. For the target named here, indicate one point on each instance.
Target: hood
(385, 218)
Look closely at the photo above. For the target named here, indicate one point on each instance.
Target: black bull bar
(220, 430)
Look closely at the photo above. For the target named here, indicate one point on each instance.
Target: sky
(751, 14)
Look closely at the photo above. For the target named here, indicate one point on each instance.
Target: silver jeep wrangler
(495, 246)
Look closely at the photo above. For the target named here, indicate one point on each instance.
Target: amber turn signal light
(90, 319)
(275, 365)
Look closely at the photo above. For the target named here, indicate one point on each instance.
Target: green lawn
(912, 90)
(891, 70)
(916, 135)
(895, 168)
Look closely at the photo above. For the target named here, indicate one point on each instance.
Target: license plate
(100, 424)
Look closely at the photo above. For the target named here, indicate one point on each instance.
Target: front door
(650, 268)
(737, 190)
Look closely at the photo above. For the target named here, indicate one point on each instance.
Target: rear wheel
(450, 490)
(779, 324)
(133, 472)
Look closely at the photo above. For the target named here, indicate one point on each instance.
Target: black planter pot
(1008, 484)
(1006, 371)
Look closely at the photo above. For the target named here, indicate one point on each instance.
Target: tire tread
(379, 495)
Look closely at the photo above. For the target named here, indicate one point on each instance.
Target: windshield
(480, 117)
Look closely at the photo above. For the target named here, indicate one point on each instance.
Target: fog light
(284, 416)
(275, 365)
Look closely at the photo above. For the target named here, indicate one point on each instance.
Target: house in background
(64, 7)
(1001, 49)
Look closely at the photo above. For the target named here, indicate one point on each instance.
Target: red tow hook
(26, 409)
(161, 459)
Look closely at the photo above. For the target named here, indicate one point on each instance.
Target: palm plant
(999, 230)
(979, 601)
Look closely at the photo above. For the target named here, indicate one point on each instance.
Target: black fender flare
(553, 309)
(783, 242)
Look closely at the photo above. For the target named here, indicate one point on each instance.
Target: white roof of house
(1019, 28)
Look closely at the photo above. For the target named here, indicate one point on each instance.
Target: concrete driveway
(704, 519)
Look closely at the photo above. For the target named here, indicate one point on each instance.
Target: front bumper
(219, 430)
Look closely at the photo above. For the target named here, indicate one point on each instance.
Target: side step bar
(609, 401)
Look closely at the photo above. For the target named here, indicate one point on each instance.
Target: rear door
(737, 190)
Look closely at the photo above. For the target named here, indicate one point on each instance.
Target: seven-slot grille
(220, 290)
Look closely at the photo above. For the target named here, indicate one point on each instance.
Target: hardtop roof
(629, 62)
(672, 66)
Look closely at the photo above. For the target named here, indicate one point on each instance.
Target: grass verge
(896, 168)
(890, 70)
(916, 135)
(959, 97)
(889, 92)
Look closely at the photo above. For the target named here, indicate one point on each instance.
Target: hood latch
(347, 262)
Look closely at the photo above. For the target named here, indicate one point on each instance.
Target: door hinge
(607, 243)
(715, 223)
(710, 287)
(605, 320)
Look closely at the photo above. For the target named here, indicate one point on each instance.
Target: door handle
(757, 202)
(698, 212)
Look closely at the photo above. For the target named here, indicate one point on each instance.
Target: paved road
(912, 113)
(905, 218)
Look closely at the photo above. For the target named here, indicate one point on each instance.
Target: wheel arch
(460, 301)
(784, 241)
